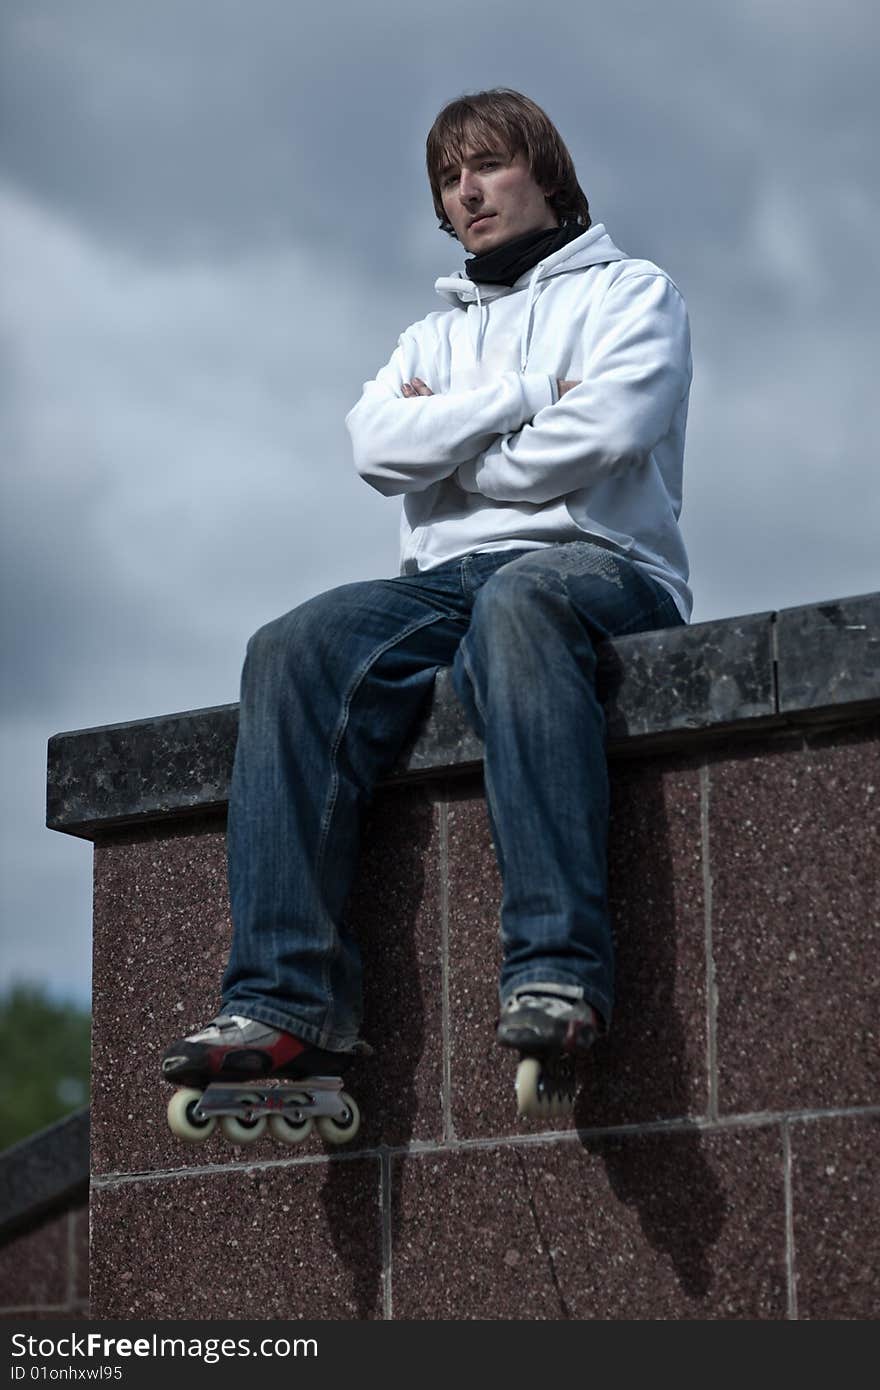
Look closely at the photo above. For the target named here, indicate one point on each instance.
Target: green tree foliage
(44, 1061)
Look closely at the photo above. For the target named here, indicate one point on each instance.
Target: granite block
(162, 933)
(796, 924)
(836, 1206)
(161, 940)
(481, 1074)
(395, 912)
(829, 654)
(653, 1064)
(293, 1242)
(656, 686)
(687, 1225)
(35, 1264)
(442, 739)
(140, 770)
(718, 673)
(46, 1170)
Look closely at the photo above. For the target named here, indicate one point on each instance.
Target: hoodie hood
(594, 247)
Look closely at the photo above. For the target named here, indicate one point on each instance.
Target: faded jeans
(330, 693)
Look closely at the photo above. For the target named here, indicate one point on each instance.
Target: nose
(469, 188)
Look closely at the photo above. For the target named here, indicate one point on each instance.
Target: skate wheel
(288, 1131)
(340, 1131)
(182, 1121)
(528, 1074)
(537, 1097)
(239, 1131)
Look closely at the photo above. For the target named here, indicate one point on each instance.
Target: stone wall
(722, 1161)
(44, 1223)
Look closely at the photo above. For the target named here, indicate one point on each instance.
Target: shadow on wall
(648, 1070)
(399, 954)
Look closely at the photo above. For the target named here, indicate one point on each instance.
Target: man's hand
(564, 386)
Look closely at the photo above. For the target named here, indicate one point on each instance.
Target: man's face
(491, 197)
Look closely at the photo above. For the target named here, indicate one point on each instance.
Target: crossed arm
(527, 437)
(405, 439)
(417, 387)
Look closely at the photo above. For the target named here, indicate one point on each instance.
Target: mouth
(481, 219)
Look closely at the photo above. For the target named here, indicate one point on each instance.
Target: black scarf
(504, 264)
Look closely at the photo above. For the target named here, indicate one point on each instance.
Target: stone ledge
(828, 654)
(43, 1172)
(678, 688)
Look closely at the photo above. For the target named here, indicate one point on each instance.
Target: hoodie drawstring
(480, 326)
(527, 318)
(478, 331)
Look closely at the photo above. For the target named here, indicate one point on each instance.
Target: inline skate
(550, 1030)
(251, 1078)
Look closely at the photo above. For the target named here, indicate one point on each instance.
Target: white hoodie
(494, 459)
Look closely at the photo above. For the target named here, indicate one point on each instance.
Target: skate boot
(251, 1078)
(549, 1030)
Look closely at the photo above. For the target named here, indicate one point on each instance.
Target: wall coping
(47, 1170)
(673, 689)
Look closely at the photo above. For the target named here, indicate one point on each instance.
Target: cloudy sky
(215, 222)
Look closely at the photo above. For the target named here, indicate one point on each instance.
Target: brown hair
(506, 115)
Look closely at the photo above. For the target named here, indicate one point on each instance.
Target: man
(535, 431)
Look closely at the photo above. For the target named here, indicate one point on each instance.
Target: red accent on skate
(572, 1032)
(580, 1034)
(286, 1048)
(278, 1055)
(216, 1058)
(270, 1102)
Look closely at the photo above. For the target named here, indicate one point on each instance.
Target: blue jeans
(330, 693)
